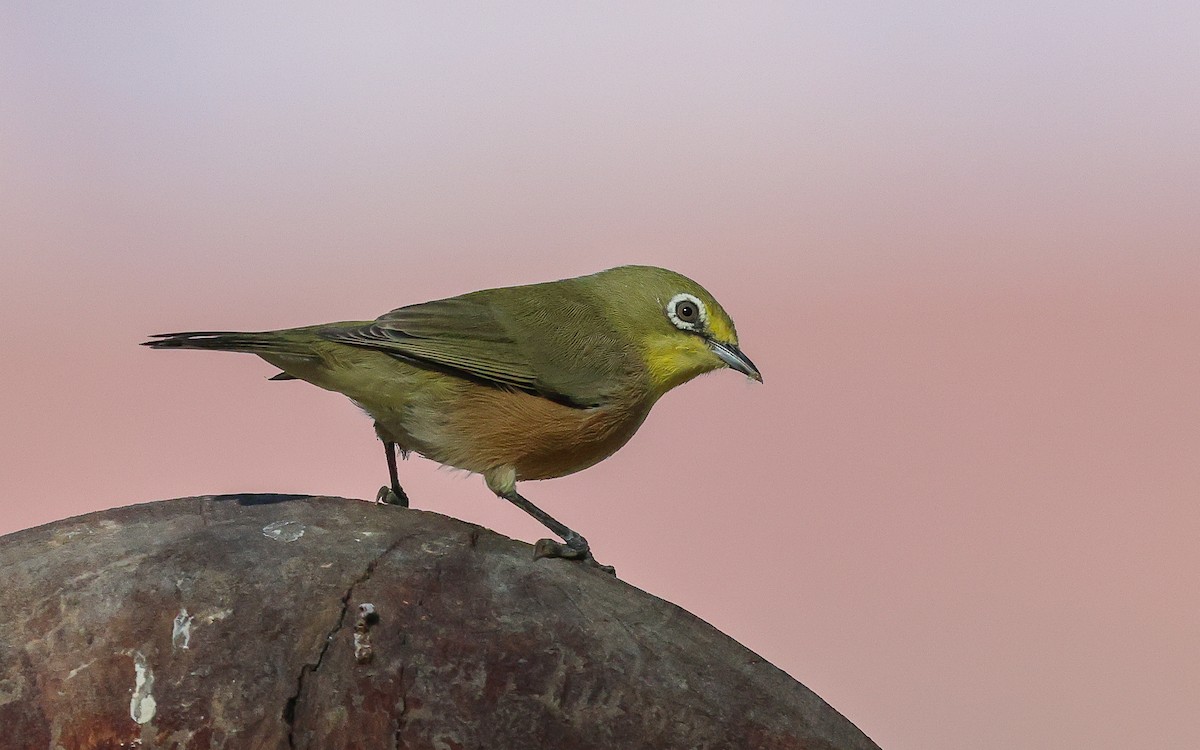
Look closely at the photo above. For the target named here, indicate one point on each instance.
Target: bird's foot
(388, 496)
(575, 548)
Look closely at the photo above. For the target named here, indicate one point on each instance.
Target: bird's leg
(574, 546)
(393, 495)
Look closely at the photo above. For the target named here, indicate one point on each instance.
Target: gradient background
(962, 240)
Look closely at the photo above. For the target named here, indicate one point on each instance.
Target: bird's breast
(481, 428)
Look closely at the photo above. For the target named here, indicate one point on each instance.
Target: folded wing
(466, 336)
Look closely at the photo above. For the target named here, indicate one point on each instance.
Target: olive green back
(576, 341)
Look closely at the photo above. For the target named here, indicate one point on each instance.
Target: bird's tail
(267, 342)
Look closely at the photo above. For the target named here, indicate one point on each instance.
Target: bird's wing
(461, 335)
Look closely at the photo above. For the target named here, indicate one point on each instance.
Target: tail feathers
(228, 341)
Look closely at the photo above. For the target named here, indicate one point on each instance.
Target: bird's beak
(733, 357)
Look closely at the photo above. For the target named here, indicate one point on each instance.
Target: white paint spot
(362, 632)
(142, 704)
(220, 614)
(435, 547)
(284, 531)
(181, 630)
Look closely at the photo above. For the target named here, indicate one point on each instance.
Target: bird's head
(678, 328)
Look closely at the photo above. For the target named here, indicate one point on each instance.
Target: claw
(552, 548)
(386, 496)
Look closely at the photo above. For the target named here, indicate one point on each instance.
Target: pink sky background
(961, 240)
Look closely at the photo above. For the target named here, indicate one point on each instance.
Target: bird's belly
(575, 441)
(471, 426)
(480, 429)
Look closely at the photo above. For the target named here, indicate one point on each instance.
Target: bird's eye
(686, 312)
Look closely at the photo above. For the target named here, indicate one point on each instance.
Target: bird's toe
(388, 496)
(554, 548)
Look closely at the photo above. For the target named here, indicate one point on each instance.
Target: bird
(514, 383)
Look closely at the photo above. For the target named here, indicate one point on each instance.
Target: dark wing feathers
(466, 317)
(462, 335)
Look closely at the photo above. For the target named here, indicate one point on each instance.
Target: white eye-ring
(687, 313)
